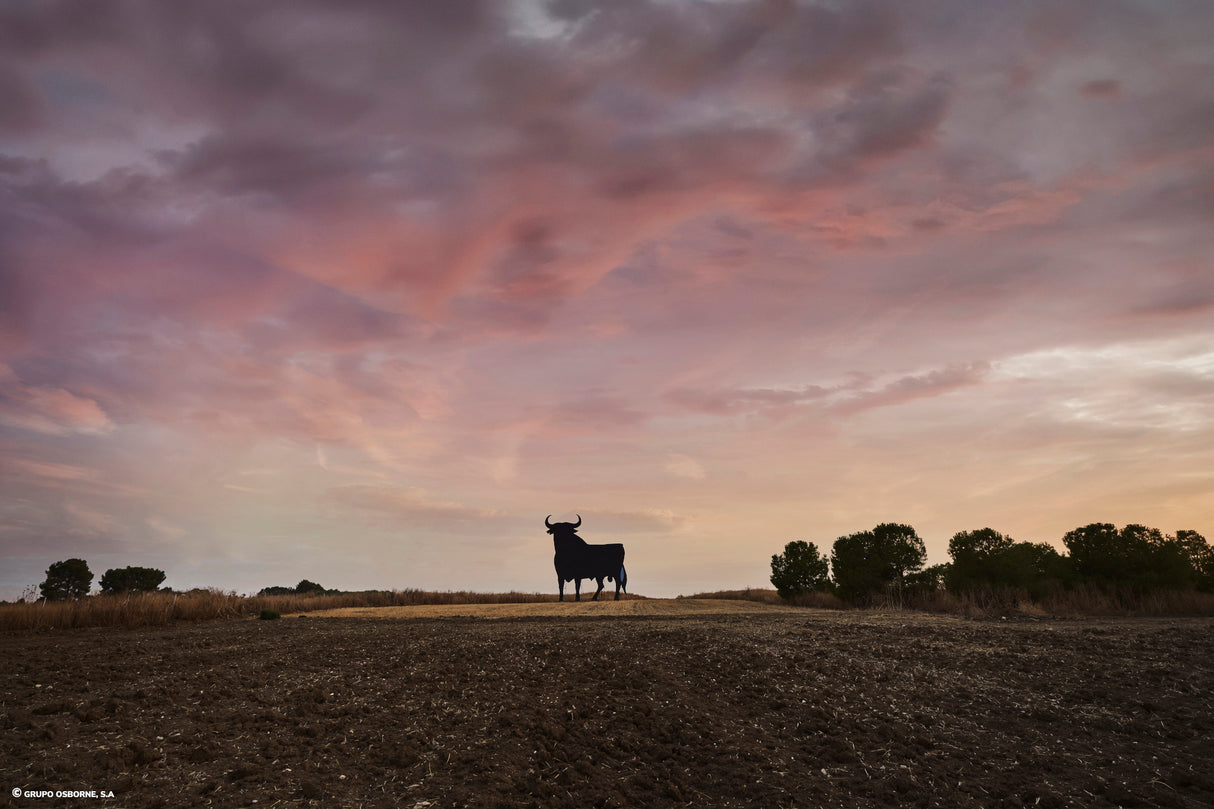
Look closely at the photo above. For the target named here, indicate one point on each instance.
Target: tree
(1201, 557)
(1098, 551)
(1181, 562)
(977, 558)
(987, 558)
(304, 588)
(1138, 557)
(122, 580)
(1033, 566)
(800, 569)
(870, 563)
(69, 579)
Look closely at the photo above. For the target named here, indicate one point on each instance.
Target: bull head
(568, 526)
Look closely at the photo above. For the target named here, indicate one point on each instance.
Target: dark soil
(813, 710)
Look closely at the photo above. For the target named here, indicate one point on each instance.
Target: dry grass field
(132, 610)
(654, 703)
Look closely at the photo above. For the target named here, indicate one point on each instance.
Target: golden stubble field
(631, 703)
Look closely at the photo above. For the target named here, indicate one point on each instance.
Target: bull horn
(579, 521)
(546, 523)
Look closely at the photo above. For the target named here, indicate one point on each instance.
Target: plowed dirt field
(611, 704)
(636, 607)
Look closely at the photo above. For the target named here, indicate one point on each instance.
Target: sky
(361, 292)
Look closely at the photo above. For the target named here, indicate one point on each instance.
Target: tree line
(888, 562)
(71, 579)
(304, 588)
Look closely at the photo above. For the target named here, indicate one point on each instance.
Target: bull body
(576, 559)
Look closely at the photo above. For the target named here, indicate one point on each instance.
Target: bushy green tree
(1201, 558)
(122, 580)
(1165, 562)
(69, 579)
(1099, 551)
(1138, 557)
(1034, 566)
(987, 558)
(868, 564)
(1181, 562)
(800, 569)
(977, 558)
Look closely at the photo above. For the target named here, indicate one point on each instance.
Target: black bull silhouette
(576, 559)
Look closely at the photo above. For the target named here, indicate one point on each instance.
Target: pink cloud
(49, 411)
(915, 386)
(854, 396)
(52, 471)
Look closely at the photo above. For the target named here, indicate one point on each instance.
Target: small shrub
(269, 615)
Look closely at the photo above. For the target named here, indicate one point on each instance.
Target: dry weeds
(131, 610)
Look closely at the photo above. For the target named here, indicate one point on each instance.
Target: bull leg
(596, 592)
(617, 589)
(560, 583)
(577, 589)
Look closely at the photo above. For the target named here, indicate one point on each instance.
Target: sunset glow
(362, 292)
